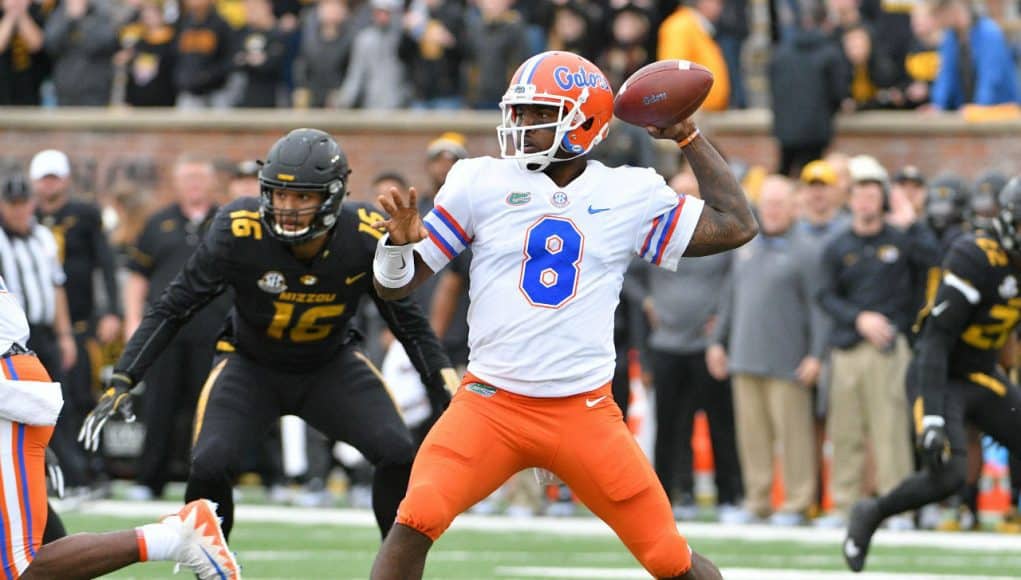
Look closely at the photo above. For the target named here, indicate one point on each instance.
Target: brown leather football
(663, 93)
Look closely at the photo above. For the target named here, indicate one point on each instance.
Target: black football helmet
(985, 201)
(304, 160)
(947, 202)
(1006, 224)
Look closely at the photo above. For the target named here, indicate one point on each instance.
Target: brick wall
(96, 140)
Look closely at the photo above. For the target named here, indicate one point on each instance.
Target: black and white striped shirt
(31, 268)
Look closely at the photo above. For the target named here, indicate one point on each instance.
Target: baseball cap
(819, 171)
(49, 162)
(451, 143)
(909, 173)
(15, 188)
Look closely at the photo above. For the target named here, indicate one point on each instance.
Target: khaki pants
(771, 413)
(868, 403)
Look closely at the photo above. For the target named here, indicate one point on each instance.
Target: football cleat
(203, 549)
(864, 520)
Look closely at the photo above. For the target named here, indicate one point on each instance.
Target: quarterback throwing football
(552, 234)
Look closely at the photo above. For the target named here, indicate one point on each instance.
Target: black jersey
(976, 307)
(83, 248)
(287, 314)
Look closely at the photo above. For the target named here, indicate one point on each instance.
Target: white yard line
(574, 526)
(729, 573)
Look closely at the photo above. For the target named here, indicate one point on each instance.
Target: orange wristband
(687, 140)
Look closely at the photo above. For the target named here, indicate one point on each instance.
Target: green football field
(340, 544)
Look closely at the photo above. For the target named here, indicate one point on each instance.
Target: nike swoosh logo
(939, 308)
(352, 279)
(597, 209)
(593, 402)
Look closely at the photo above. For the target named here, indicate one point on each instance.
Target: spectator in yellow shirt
(688, 34)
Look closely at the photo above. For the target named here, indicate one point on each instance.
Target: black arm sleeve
(951, 313)
(944, 325)
(410, 325)
(196, 285)
(104, 255)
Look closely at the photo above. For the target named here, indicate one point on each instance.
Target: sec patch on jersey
(663, 93)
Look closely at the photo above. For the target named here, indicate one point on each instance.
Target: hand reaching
(405, 225)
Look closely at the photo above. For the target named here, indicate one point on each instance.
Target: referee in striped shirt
(30, 266)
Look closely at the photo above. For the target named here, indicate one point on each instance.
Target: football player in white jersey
(29, 405)
(551, 234)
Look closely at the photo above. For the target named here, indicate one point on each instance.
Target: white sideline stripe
(978, 541)
(729, 573)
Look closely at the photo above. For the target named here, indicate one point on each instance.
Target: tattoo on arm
(727, 220)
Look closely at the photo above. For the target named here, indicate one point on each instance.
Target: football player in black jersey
(299, 261)
(977, 306)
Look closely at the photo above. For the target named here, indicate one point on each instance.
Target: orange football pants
(22, 477)
(488, 434)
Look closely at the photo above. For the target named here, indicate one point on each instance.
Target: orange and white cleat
(203, 549)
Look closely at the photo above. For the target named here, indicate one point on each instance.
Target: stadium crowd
(808, 341)
(826, 55)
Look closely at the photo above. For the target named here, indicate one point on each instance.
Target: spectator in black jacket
(260, 55)
(807, 84)
(23, 62)
(203, 59)
(148, 58)
(326, 35)
(432, 50)
(81, 38)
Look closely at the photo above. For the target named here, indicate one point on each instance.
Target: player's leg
(236, 407)
(478, 443)
(191, 537)
(917, 490)
(998, 415)
(603, 464)
(349, 402)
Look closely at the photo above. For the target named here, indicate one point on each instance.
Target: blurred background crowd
(449, 54)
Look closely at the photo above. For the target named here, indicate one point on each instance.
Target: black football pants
(995, 408)
(344, 399)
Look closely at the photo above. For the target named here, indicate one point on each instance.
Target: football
(663, 93)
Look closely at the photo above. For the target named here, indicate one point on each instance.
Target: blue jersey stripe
(439, 238)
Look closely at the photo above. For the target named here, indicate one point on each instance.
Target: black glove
(933, 444)
(116, 399)
(54, 474)
(439, 389)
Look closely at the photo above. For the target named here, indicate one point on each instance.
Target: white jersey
(13, 324)
(548, 263)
